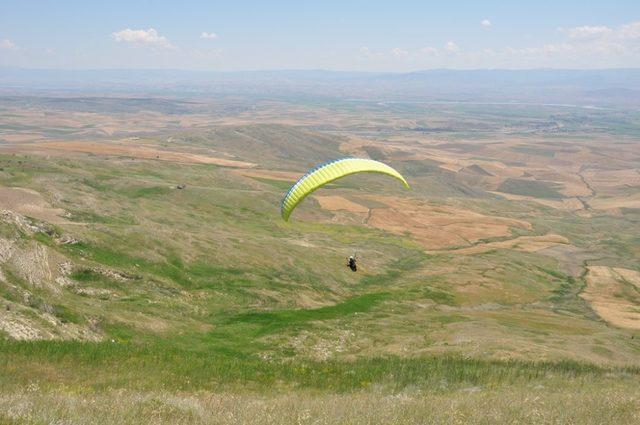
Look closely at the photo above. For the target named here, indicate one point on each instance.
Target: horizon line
(199, 70)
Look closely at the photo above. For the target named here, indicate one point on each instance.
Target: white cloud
(5, 43)
(629, 31)
(429, 50)
(577, 47)
(206, 54)
(208, 35)
(485, 23)
(587, 32)
(451, 47)
(604, 41)
(139, 38)
(369, 54)
(545, 50)
(588, 43)
(549, 49)
(399, 53)
(601, 32)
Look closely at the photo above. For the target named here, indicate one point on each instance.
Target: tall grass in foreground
(105, 365)
(581, 405)
(44, 382)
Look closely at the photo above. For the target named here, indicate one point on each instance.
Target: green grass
(144, 192)
(278, 184)
(534, 188)
(274, 320)
(159, 365)
(66, 315)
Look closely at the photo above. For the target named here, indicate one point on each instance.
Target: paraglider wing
(328, 172)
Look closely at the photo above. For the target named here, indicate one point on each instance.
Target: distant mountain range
(606, 87)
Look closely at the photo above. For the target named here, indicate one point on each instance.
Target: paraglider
(326, 173)
(351, 263)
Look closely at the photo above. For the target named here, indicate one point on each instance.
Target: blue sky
(336, 35)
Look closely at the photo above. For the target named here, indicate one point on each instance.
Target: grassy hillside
(122, 295)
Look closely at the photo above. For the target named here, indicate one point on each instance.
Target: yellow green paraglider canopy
(328, 172)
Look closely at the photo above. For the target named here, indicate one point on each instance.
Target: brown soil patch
(438, 227)
(487, 174)
(612, 179)
(20, 138)
(521, 243)
(30, 203)
(631, 276)
(604, 203)
(568, 204)
(605, 292)
(451, 167)
(355, 144)
(573, 188)
(335, 203)
(499, 169)
(145, 152)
